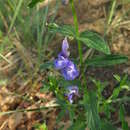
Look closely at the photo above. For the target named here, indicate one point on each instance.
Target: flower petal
(70, 72)
(65, 47)
(72, 90)
(60, 62)
(70, 98)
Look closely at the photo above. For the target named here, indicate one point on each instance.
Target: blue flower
(72, 91)
(61, 62)
(67, 67)
(62, 59)
(70, 72)
(65, 47)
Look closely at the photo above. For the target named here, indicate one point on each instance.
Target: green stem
(77, 30)
(28, 110)
(15, 15)
(112, 11)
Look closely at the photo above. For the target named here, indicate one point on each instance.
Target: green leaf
(45, 87)
(122, 113)
(65, 30)
(125, 125)
(77, 125)
(60, 115)
(107, 60)
(34, 2)
(107, 126)
(122, 118)
(71, 111)
(116, 92)
(46, 65)
(93, 40)
(65, 83)
(117, 77)
(90, 104)
(119, 88)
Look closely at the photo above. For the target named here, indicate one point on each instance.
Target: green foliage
(122, 118)
(85, 111)
(32, 30)
(46, 65)
(92, 116)
(77, 125)
(41, 127)
(122, 85)
(106, 105)
(107, 126)
(45, 87)
(117, 77)
(15, 15)
(27, 26)
(64, 30)
(64, 83)
(89, 38)
(93, 101)
(61, 115)
(107, 60)
(34, 2)
(93, 40)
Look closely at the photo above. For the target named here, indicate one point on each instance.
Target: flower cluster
(67, 68)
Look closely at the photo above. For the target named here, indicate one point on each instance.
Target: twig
(30, 110)
(5, 58)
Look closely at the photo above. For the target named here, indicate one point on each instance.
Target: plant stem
(28, 110)
(15, 15)
(112, 11)
(77, 30)
(77, 35)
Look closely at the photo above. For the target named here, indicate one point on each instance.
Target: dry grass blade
(5, 58)
(23, 53)
(7, 67)
(51, 104)
(4, 20)
(15, 15)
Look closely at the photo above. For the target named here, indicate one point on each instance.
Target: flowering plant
(90, 104)
(68, 69)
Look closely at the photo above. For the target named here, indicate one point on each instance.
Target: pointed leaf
(107, 126)
(94, 40)
(108, 60)
(34, 2)
(65, 30)
(122, 118)
(90, 103)
(47, 65)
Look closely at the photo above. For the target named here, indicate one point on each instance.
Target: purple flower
(67, 67)
(72, 90)
(60, 62)
(70, 72)
(62, 59)
(65, 47)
